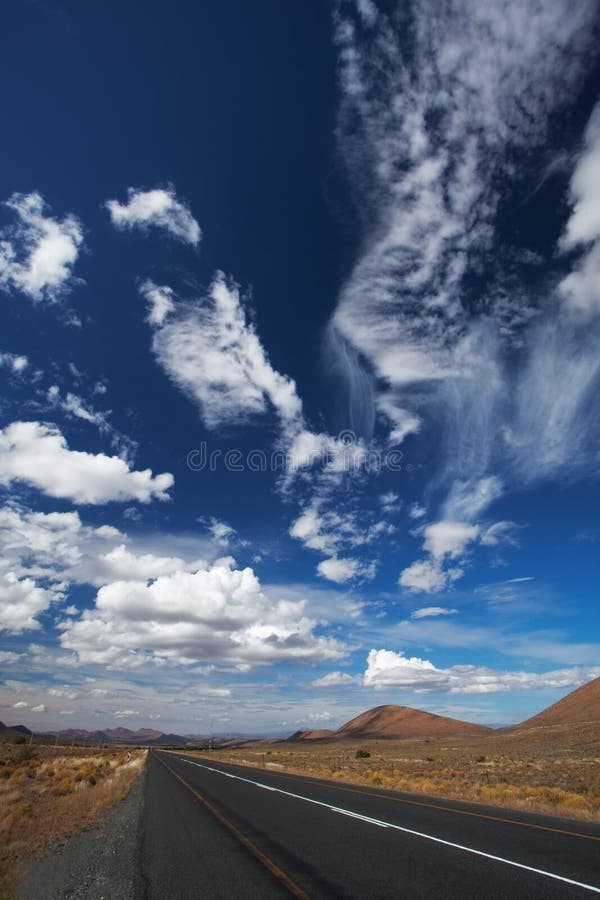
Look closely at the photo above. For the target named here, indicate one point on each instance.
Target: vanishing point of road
(218, 830)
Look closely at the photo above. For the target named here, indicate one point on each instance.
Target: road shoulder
(99, 863)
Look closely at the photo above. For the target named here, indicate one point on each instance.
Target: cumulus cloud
(120, 564)
(42, 555)
(427, 576)
(447, 544)
(212, 352)
(444, 541)
(387, 668)
(37, 454)
(50, 546)
(21, 601)
(449, 539)
(217, 614)
(158, 208)
(338, 569)
(37, 254)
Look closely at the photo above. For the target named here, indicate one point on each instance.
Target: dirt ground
(47, 794)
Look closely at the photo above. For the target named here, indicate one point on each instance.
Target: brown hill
(314, 734)
(404, 722)
(581, 705)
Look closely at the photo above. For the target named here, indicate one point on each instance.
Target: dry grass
(46, 796)
(555, 772)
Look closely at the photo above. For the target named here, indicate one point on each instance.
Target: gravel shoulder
(101, 863)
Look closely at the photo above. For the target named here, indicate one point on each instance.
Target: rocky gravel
(101, 863)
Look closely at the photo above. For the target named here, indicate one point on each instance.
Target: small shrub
(24, 809)
(62, 787)
(480, 759)
(362, 754)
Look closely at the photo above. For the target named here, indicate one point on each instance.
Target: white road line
(381, 824)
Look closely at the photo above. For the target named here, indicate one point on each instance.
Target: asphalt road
(216, 830)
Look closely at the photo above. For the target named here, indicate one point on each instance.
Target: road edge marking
(402, 828)
(336, 786)
(268, 863)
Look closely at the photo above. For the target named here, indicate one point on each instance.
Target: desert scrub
(559, 774)
(47, 797)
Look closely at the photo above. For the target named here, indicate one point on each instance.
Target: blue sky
(300, 319)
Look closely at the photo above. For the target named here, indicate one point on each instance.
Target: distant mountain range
(389, 721)
(143, 736)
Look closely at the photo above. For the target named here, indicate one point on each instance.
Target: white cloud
(449, 539)
(427, 612)
(38, 709)
(428, 129)
(328, 530)
(449, 542)
(20, 705)
(37, 454)
(38, 253)
(122, 565)
(386, 668)
(63, 692)
(213, 353)
(126, 713)
(158, 208)
(427, 576)
(334, 679)
(50, 546)
(21, 600)
(218, 614)
(404, 423)
(221, 532)
(469, 498)
(581, 287)
(338, 570)
(160, 301)
(15, 363)
(518, 580)
(499, 533)
(75, 407)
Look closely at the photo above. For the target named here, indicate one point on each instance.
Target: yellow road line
(272, 867)
(460, 812)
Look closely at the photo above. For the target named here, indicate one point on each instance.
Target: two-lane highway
(219, 830)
